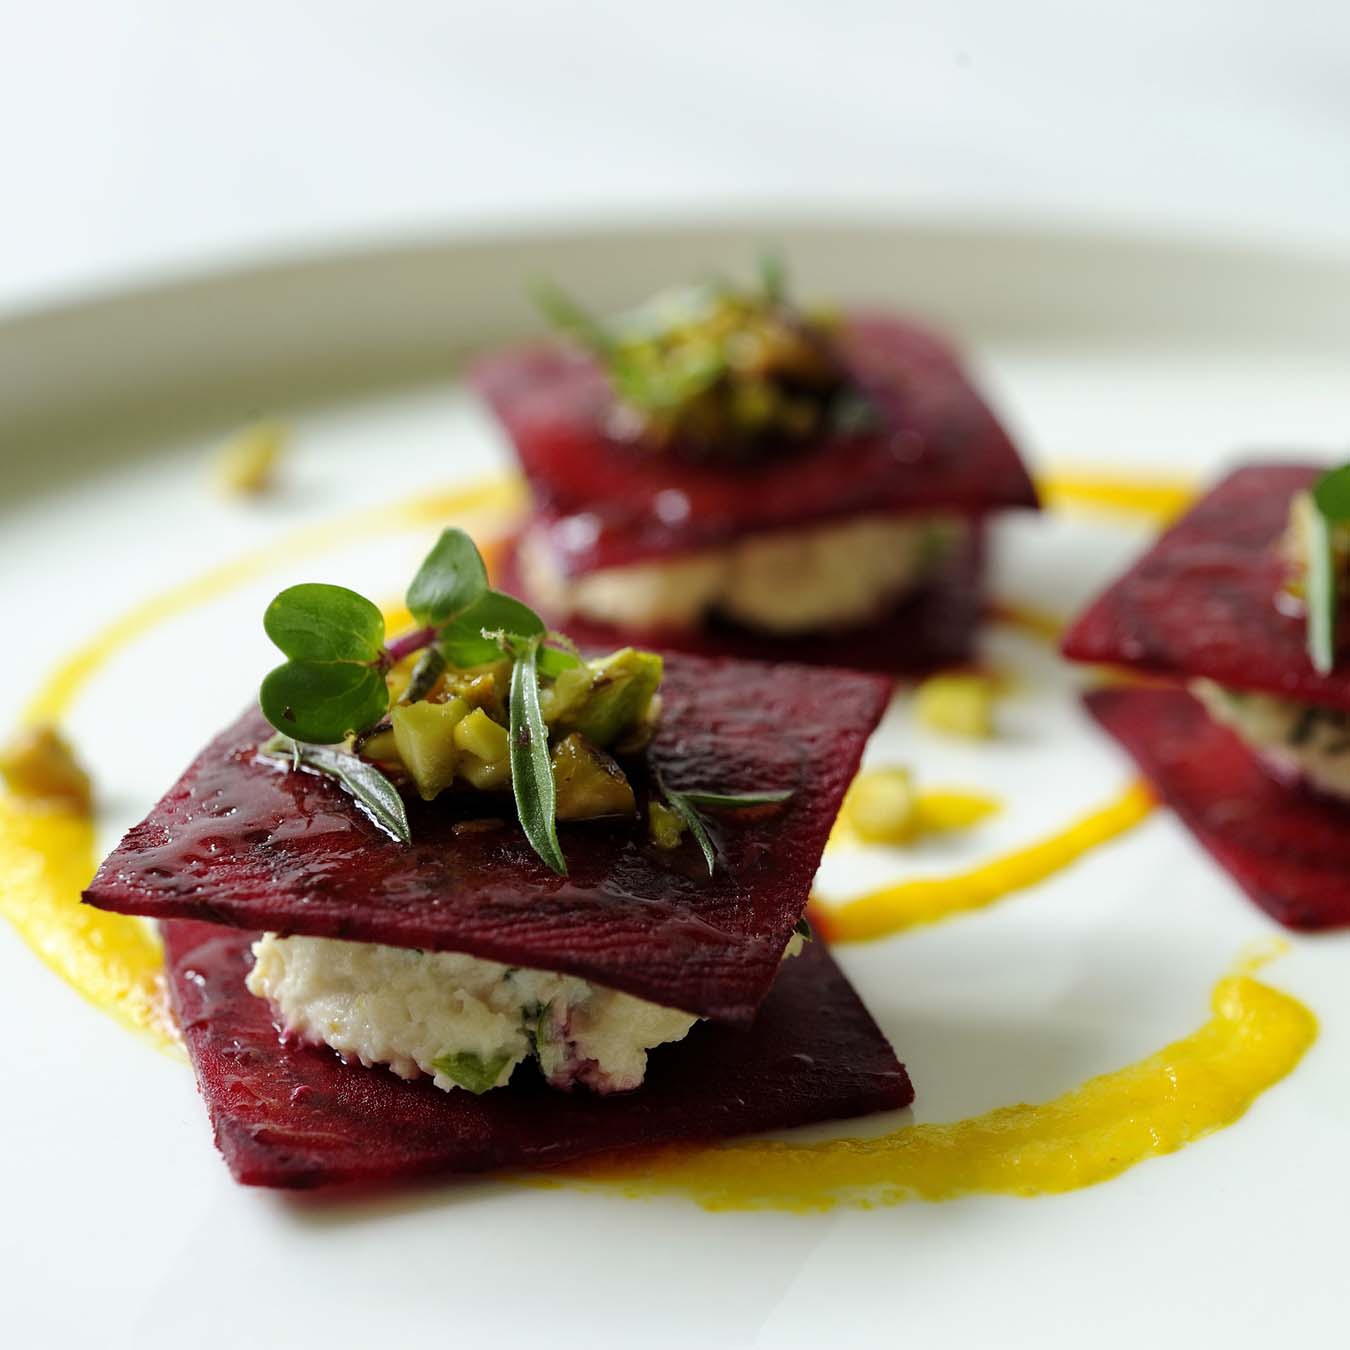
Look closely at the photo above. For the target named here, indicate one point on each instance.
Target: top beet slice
(1202, 600)
(237, 841)
(605, 503)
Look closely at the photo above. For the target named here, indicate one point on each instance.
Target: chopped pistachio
(589, 783)
(39, 764)
(424, 734)
(882, 807)
(487, 750)
(619, 698)
(962, 705)
(246, 463)
(666, 827)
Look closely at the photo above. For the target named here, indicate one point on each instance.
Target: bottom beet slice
(1288, 848)
(297, 1116)
(932, 627)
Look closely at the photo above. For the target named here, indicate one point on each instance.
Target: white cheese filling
(1297, 740)
(834, 575)
(463, 1021)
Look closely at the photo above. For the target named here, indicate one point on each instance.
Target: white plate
(121, 1223)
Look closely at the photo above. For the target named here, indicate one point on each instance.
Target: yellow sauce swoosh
(1255, 1036)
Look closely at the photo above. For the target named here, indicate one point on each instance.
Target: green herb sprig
(690, 803)
(333, 684)
(1331, 507)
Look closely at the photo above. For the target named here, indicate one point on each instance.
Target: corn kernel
(882, 807)
(962, 705)
(246, 463)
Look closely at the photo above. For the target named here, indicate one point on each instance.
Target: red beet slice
(1284, 845)
(606, 502)
(297, 1116)
(1202, 600)
(933, 627)
(240, 842)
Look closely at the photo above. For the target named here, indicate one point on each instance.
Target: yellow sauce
(891, 909)
(936, 811)
(47, 852)
(1159, 499)
(1199, 1084)
(429, 509)
(46, 859)
(1037, 623)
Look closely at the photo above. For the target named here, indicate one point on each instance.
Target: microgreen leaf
(462, 641)
(451, 579)
(314, 622)
(472, 1071)
(730, 801)
(373, 792)
(1331, 507)
(531, 768)
(322, 701)
(803, 930)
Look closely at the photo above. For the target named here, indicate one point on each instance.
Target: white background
(139, 135)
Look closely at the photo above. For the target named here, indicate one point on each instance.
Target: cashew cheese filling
(834, 575)
(1296, 740)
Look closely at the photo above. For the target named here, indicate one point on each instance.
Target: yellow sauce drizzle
(1037, 623)
(936, 811)
(1160, 499)
(46, 859)
(47, 852)
(68, 680)
(1199, 1084)
(927, 899)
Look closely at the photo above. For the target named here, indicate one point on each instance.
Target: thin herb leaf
(565, 313)
(323, 701)
(773, 277)
(373, 792)
(424, 674)
(472, 1071)
(730, 801)
(451, 579)
(685, 809)
(803, 930)
(314, 622)
(531, 768)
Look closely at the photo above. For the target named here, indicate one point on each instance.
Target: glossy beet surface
(1286, 847)
(1203, 599)
(606, 502)
(296, 1116)
(931, 628)
(238, 841)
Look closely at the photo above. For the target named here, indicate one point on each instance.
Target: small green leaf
(531, 767)
(451, 579)
(373, 792)
(462, 642)
(1332, 495)
(314, 622)
(730, 801)
(687, 812)
(803, 930)
(553, 662)
(322, 702)
(1331, 502)
(472, 1071)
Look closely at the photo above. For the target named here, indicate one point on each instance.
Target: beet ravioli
(1243, 601)
(724, 473)
(465, 899)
